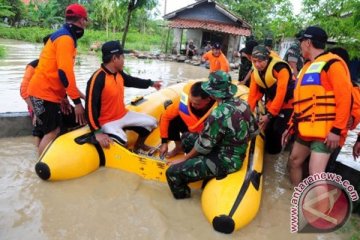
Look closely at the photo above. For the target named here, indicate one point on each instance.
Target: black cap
(314, 33)
(299, 34)
(111, 47)
(217, 45)
(249, 46)
(268, 42)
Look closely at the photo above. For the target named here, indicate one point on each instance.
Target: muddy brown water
(109, 203)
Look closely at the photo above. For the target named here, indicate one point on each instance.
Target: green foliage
(2, 51)
(29, 34)
(5, 11)
(268, 18)
(351, 228)
(136, 41)
(132, 5)
(16, 7)
(340, 19)
(45, 15)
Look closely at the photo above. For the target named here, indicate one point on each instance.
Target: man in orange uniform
(271, 77)
(105, 106)
(322, 100)
(54, 76)
(29, 72)
(185, 116)
(67, 111)
(217, 59)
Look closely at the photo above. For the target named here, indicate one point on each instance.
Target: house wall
(234, 42)
(176, 41)
(195, 35)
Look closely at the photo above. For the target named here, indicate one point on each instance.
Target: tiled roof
(208, 25)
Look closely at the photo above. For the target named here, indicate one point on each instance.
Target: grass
(135, 40)
(2, 52)
(351, 228)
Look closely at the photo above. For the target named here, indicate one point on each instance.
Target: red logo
(325, 207)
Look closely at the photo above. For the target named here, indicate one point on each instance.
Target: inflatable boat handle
(86, 138)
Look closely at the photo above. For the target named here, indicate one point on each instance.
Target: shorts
(315, 146)
(48, 114)
(37, 132)
(68, 121)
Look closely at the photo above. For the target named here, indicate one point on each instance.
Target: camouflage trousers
(201, 167)
(188, 140)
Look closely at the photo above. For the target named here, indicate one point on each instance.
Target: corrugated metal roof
(208, 25)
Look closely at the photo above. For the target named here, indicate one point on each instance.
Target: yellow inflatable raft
(228, 204)
(74, 155)
(231, 203)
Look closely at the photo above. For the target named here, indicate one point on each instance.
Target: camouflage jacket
(293, 54)
(245, 66)
(227, 130)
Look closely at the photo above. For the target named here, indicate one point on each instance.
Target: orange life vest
(314, 106)
(355, 107)
(268, 85)
(274, 54)
(194, 123)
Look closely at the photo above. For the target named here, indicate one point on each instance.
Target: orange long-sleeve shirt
(283, 75)
(169, 114)
(217, 63)
(29, 72)
(54, 77)
(105, 96)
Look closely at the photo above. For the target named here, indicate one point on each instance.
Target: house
(207, 20)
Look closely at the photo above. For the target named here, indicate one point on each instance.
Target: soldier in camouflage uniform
(245, 64)
(245, 67)
(221, 147)
(294, 58)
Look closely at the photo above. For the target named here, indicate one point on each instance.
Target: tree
(132, 5)
(45, 14)
(13, 10)
(105, 12)
(5, 11)
(267, 17)
(340, 19)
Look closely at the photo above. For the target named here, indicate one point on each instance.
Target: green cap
(260, 52)
(219, 85)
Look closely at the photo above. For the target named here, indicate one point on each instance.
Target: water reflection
(20, 53)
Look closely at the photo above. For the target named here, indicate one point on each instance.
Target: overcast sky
(173, 5)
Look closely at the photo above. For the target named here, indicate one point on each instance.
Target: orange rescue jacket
(276, 84)
(54, 76)
(182, 108)
(322, 98)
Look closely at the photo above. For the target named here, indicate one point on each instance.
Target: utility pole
(165, 5)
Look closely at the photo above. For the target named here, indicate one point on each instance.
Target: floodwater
(109, 203)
